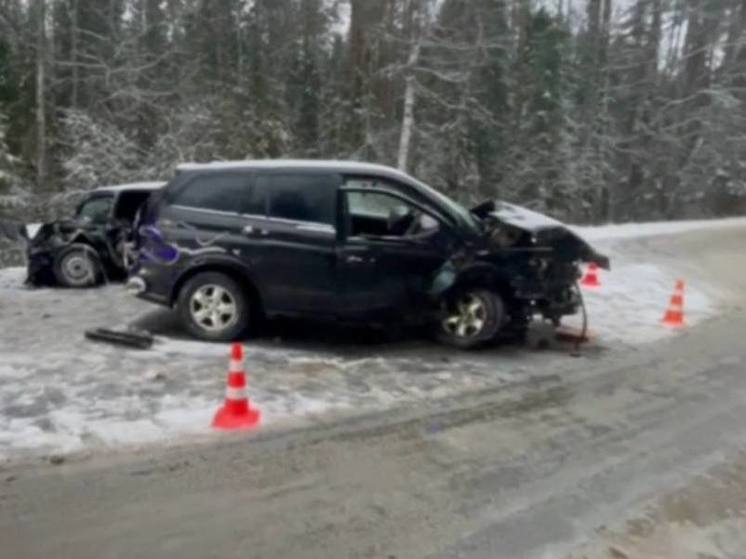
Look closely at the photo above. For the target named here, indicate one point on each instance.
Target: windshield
(460, 213)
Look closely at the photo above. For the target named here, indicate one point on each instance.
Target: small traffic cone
(674, 316)
(236, 412)
(591, 277)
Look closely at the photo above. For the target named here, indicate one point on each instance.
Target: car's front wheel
(213, 307)
(78, 266)
(470, 317)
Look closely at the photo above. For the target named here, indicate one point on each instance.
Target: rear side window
(301, 197)
(227, 192)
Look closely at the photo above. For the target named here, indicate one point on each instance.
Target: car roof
(142, 186)
(297, 164)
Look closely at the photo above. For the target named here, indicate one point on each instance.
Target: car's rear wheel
(213, 307)
(78, 266)
(470, 317)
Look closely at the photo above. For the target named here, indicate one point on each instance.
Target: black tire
(189, 307)
(78, 266)
(481, 326)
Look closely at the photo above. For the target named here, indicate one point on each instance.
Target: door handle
(252, 231)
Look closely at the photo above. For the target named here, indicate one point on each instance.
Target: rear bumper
(154, 298)
(151, 283)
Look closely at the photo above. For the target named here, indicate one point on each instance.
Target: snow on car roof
(350, 166)
(131, 186)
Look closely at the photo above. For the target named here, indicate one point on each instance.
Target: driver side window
(378, 214)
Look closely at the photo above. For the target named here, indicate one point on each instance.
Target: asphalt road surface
(630, 456)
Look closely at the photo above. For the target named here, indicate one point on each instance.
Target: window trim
(311, 226)
(206, 210)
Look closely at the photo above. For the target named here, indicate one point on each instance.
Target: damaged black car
(94, 244)
(228, 243)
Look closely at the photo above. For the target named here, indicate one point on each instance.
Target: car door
(298, 239)
(382, 270)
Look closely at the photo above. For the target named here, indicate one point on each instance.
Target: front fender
(451, 275)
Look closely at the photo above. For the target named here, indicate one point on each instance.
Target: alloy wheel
(467, 318)
(213, 308)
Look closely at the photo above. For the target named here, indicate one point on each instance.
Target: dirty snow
(630, 304)
(60, 393)
(11, 278)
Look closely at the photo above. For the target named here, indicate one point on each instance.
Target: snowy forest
(590, 110)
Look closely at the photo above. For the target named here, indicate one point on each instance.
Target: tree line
(592, 111)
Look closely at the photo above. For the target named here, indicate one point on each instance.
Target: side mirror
(484, 209)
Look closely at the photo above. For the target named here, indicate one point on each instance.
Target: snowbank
(639, 230)
(630, 304)
(12, 278)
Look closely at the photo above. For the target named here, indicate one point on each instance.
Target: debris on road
(137, 339)
(56, 460)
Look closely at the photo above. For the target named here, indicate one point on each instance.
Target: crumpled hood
(523, 218)
(39, 233)
(548, 231)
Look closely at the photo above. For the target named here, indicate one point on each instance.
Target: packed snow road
(60, 393)
(624, 454)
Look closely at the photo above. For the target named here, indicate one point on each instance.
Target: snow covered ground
(652, 229)
(629, 306)
(61, 393)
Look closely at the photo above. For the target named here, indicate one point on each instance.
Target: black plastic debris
(137, 339)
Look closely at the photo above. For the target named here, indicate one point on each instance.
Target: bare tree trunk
(41, 118)
(410, 85)
(407, 126)
(74, 100)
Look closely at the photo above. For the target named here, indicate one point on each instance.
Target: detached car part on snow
(228, 242)
(94, 244)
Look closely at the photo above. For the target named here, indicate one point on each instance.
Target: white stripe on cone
(236, 366)
(235, 393)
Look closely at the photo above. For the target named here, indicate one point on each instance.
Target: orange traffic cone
(236, 412)
(591, 277)
(674, 316)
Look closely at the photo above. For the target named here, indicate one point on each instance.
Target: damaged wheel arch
(451, 278)
(223, 266)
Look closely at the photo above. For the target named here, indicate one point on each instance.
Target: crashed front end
(38, 243)
(48, 242)
(531, 259)
(42, 250)
(545, 256)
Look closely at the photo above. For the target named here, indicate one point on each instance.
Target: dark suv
(229, 242)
